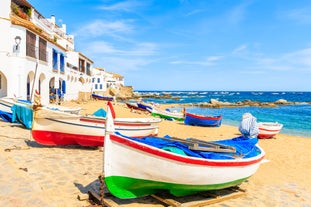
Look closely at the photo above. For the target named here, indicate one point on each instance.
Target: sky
(227, 45)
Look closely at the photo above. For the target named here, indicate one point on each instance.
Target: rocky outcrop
(124, 92)
(128, 93)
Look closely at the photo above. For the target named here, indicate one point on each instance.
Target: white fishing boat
(140, 167)
(268, 129)
(54, 127)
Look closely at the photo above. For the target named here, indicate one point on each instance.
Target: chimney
(64, 28)
(53, 19)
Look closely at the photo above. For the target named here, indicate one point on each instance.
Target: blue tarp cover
(245, 147)
(100, 112)
(22, 114)
(6, 116)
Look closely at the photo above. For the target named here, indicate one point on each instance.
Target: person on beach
(249, 126)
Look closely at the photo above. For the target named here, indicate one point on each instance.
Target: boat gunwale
(187, 159)
(204, 117)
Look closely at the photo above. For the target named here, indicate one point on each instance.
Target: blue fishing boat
(103, 98)
(145, 106)
(199, 120)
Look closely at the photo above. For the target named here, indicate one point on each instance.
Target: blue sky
(193, 44)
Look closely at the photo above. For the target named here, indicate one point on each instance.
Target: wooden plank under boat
(136, 167)
(199, 120)
(268, 129)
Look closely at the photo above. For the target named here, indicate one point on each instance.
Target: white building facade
(37, 54)
(103, 80)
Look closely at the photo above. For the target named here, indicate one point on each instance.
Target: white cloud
(105, 48)
(302, 15)
(123, 64)
(208, 61)
(127, 6)
(239, 49)
(99, 28)
(237, 14)
(295, 61)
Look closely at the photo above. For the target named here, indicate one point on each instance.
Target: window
(42, 50)
(55, 60)
(95, 86)
(88, 68)
(100, 86)
(81, 66)
(30, 44)
(98, 80)
(62, 63)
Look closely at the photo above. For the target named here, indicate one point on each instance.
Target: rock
(281, 101)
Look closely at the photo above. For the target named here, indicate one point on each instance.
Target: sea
(296, 118)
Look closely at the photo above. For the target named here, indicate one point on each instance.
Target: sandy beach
(37, 175)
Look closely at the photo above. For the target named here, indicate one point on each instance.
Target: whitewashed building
(103, 80)
(37, 54)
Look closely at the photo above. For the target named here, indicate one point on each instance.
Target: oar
(205, 146)
(212, 144)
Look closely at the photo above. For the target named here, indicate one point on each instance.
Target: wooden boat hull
(103, 98)
(5, 105)
(206, 121)
(59, 128)
(134, 106)
(134, 169)
(268, 129)
(144, 106)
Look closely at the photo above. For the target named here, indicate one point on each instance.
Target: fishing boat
(268, 129)
(133, 106)
(199, 120)
(5, 110)
(54, 127)
(21, 111)
(5, 106)
(166, 114)
(140, 167)
(16, 111)
(145, 106)
(7, 103)
(103, 98)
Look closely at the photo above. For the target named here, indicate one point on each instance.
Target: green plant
(21, 11)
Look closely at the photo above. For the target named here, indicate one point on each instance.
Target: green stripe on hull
(166, 116)
(125, 187)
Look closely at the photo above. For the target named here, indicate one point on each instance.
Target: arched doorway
(30, 85)
(57, 89)
(3, 85)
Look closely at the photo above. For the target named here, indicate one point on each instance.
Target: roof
(116, 75)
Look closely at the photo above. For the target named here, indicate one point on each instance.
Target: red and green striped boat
(134, 168)
(165, 114)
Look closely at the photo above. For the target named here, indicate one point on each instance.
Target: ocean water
(296, 119)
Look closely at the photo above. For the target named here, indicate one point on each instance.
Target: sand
(37, 175)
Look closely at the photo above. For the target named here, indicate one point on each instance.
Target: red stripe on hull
(265, 136)
(58, 139)
(204, 117)
(188, 160)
